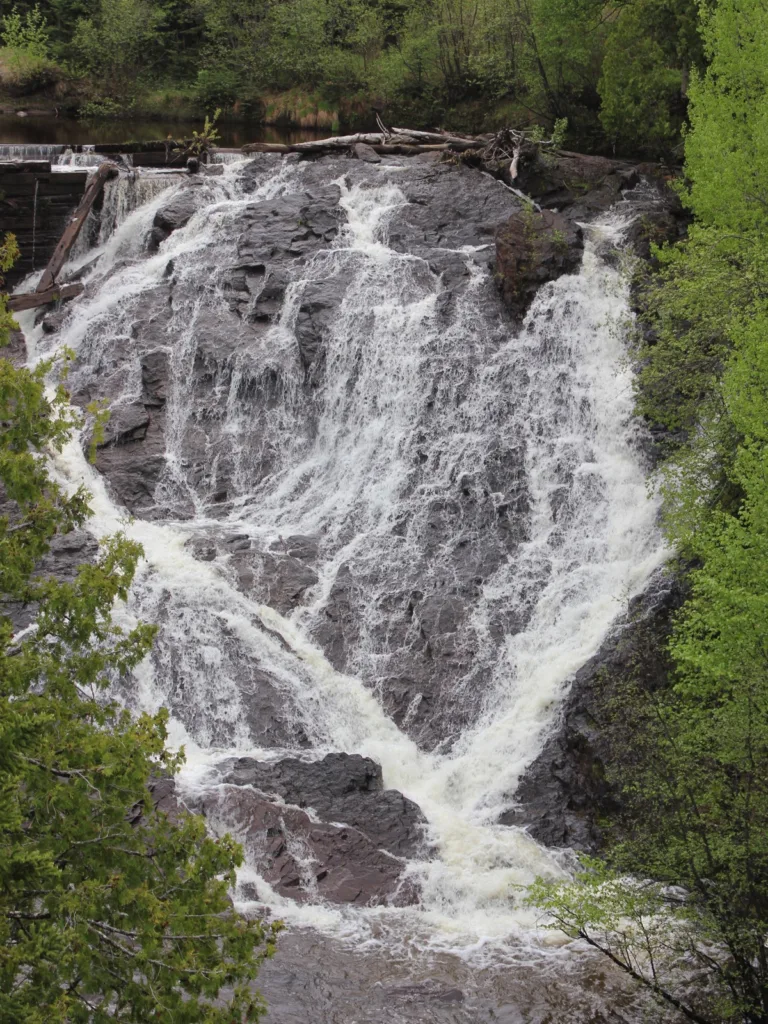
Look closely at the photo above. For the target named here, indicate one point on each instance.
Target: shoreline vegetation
(620, 76)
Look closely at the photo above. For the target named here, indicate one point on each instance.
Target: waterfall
(426, 413)
(30, 151)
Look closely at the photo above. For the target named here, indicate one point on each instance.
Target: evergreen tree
(109, 909)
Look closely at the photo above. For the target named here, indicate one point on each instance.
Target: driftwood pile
(500, 152)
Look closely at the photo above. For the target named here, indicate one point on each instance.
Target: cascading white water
(31, 151)
(398, 389)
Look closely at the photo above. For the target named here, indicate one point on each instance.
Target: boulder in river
(320, 829)
(531, 249)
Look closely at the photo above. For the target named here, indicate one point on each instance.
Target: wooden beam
(29, 300)
(24, 166)
(265, 147)
(72, 230)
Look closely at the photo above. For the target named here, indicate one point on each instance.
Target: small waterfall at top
(474, 494)
(31, 151)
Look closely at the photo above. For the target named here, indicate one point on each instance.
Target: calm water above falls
(481, 487)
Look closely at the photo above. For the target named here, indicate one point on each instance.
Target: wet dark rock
(278, 580)
(346, 847)
(304, 859)
(581, 184)
(531, 249)
(564, 793)
(366, 153)
(411, 635)
(155, 371)
(51, 322)
(298, 546)
(177, 212)
(344, 788)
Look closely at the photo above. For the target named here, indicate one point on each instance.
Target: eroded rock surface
(564, 793)
(246, 360)
(319, 830)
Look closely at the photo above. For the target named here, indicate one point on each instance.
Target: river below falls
(336, 365)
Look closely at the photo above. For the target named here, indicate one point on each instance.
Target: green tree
(119, 45)
(692, 766)
(109, 909)
(650, 49)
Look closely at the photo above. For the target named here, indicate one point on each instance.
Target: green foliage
(28, 33)
(207, 138)
(9, 253)
(118, 45)
(451, 62)
(693, 762)
(102, 109)
(649, 52)
(109, 909)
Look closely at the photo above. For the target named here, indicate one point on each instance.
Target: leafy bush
(23, 73)
(28, 33)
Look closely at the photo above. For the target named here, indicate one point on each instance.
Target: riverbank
(55, 114)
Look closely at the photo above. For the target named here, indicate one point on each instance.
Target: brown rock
(531, 249)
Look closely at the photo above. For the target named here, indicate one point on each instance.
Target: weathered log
(30, 300)
(405, 149)
(466, 141)
(338, 142)
(266, 147)
(60, 253)
(25, 166)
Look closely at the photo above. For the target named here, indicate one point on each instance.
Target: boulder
(366, 153)
(320, 829)
(177, 212)
(564, 793)
(531, 249)
(340, 788)
(303, 859)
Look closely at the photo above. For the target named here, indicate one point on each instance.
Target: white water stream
(559, 390)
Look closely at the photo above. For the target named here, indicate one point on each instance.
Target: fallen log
(266, 147)
(466, 141)
(30, 300)
(408, 149)
(338, 142)
(60, 253)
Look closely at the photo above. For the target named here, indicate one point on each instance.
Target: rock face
(235, 367)
(178, 212)
(564, 793)
(341, 787)
(531, 249)
(320, 830)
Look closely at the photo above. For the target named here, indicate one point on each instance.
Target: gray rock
(304, 859)
(564, 792)
(531, 249)
(177, 212)
(344, 788)
(366, 153)
(320, 830)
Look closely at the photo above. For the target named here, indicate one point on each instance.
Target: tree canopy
(693, 769)
(109, 909)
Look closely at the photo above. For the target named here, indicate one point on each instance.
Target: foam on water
(584, 556)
